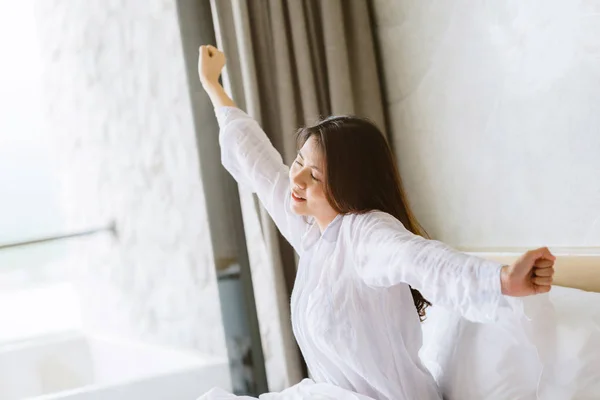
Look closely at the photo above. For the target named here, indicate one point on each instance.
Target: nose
(297, 179)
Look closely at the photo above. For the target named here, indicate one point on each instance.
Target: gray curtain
(290, 62)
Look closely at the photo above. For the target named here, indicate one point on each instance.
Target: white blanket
(305, 390)
(554, 354)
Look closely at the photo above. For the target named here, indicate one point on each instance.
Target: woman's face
(307, 178)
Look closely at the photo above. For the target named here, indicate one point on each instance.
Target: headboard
(575, 268)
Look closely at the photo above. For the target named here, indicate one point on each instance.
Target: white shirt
(353, 314)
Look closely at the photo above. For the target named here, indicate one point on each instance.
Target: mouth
(297, 198)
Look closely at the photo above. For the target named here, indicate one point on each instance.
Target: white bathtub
(75, 367)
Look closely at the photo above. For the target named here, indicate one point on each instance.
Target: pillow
(569, 345)
(555, 354)
(475, 361)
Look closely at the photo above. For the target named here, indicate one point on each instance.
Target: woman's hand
(531, 274)
(210, 64)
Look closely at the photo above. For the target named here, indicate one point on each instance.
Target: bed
(552, 353)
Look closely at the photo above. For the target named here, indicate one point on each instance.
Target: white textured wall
(495, 113)
(119, 110)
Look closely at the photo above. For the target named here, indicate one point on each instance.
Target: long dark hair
(362, 174)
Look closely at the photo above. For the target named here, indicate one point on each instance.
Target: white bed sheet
(553, 355)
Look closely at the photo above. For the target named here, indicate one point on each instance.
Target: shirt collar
(313, 233)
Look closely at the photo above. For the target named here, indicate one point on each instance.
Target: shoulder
(371, 234)
(369, 222)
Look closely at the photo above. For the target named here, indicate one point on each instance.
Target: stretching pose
(366, 275)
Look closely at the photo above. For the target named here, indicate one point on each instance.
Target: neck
(324, 222)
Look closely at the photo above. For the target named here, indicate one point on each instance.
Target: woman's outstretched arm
(387, 254)
(247, 152)
(218, 96)
(210, 64)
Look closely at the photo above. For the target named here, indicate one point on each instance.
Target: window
(29, 187)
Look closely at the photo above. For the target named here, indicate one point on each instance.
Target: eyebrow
(312, 166)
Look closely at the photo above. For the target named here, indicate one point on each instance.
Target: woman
(356, 304)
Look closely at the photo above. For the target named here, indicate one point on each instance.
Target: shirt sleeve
(249, 156)
(387, 254)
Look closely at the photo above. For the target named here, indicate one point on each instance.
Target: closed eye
(302, 165)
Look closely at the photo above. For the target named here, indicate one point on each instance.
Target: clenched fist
(531, 274)
(210, 64)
